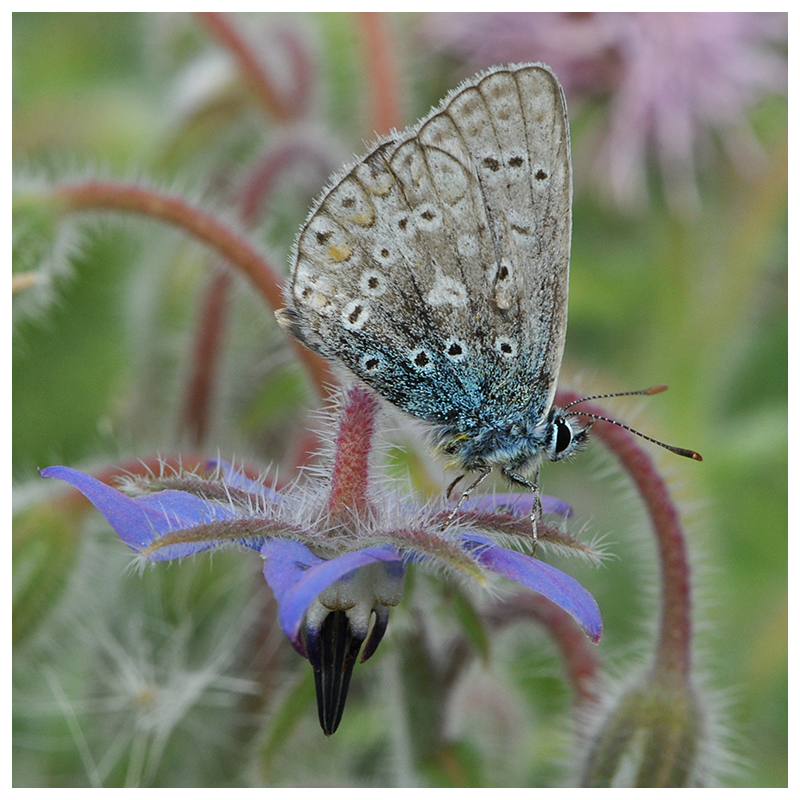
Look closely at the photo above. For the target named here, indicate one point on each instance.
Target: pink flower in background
(672, 80)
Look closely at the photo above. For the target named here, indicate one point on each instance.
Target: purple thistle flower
(675, 82)
(335, 556)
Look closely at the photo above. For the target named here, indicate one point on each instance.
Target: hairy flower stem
(673, 650)
(281, 105)
(651, 735)
(579, 656)
(113, 196)
(350, 474)
(173, 209)
(205, 356)
(381, 73)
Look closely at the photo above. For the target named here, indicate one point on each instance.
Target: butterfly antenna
(681, 451)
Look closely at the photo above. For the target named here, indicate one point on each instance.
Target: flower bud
(651, 738)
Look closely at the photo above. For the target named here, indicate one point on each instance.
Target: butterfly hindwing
(436, 268)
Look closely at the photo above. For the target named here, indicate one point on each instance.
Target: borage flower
(335, 555)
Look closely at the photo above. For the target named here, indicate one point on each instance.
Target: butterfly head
(566, 435)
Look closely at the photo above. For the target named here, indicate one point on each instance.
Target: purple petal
(518, 504)
(286, 562)
(139, 521)
(297, 576)
(555, 585)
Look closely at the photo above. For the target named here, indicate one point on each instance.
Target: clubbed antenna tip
(662, 387)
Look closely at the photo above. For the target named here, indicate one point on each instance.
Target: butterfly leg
(467, 492)
(536, 510)
(452, 486)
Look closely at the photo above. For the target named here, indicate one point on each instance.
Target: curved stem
(673, 652)
(205, 356)
(265, 173)
(283, 107)
(577, 652)
(384, 102)
(207, 345)
(111, 196)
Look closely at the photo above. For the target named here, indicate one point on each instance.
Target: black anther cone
(333, 657)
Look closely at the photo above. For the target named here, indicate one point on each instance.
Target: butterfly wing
(436, 268)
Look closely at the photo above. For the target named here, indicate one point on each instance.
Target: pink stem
(350, 475)
(673, 653)
(283, 108)
(385, 102)
(110, 196)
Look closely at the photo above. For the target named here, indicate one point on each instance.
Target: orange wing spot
(339, 252)
(365, 219)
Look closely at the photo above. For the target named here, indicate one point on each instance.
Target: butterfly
(436, 269)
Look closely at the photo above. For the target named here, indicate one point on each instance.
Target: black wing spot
(353, 316)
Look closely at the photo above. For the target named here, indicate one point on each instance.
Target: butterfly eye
(563, 436)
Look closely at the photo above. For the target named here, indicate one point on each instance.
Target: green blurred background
(100, 358)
